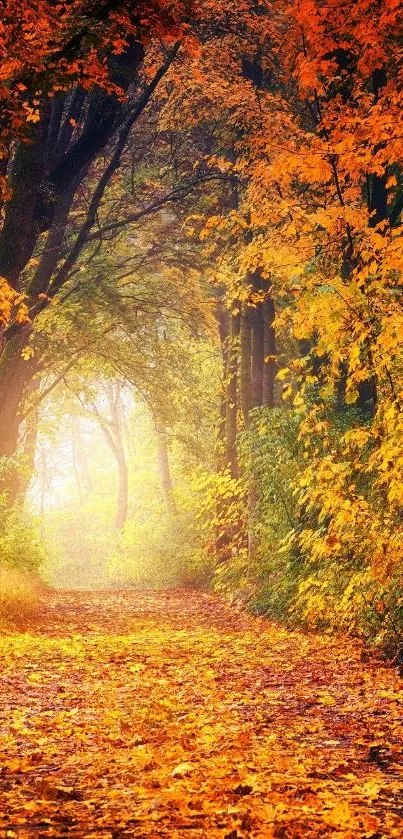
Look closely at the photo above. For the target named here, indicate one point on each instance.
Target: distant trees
(79, 91)
(260, 146)
(46, 173)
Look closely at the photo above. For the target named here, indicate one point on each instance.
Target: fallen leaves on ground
(169, 714)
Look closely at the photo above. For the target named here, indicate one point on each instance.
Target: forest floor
(169, 714)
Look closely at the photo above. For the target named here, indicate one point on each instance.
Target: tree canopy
(201, 388)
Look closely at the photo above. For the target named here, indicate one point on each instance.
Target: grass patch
(21, 595)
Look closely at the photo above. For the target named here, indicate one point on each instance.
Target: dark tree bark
(223, 330)
(255, 282)
(222, 535)
(257, 356)
(42, 171)
(269, 351)
(15, 375)
(378, 194)
(54, 241)
(246, 362)
(231, 398)
(21, 221)
(378, 206)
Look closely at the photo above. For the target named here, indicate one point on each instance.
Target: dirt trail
(168, 714)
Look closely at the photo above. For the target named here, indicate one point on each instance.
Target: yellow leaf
(182, 770)
(34, 678)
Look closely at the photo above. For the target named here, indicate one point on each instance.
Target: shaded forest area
(201, 369)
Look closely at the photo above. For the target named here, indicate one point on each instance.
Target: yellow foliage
(12, 304)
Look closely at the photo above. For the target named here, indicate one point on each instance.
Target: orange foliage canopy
(50, 48)
(309, 101)
(46, 47)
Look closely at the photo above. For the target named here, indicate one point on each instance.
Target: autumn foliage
(201, 387)
(159, 715)
(317, 147)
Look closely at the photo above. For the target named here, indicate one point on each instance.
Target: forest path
(170, 715)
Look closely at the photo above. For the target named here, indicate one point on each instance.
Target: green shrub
(21, 546)
(270, 457)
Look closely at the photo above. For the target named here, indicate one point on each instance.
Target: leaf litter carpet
(169, 714)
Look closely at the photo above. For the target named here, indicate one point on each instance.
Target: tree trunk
(54, 242)
(15, 375)
(367, 396)
(231, 400)
(35, 185)
(112, 430)
(257, 356)
(83, 477)
(28, 451)
(15, 372)
(269, 368)
(114, 398)
(165, 472)
(20, 228)
(246, 362)
(263, 376)
(223, 330)
(41, 200)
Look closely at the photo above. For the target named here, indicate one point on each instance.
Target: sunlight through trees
(201, 356)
